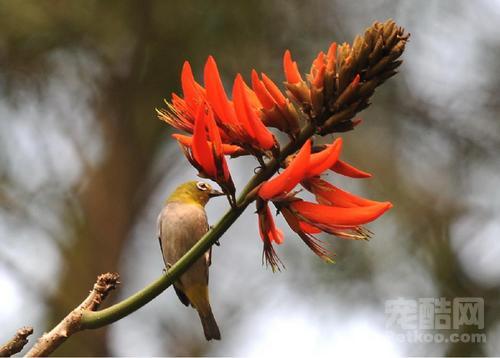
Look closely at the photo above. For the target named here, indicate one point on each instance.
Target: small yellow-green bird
(181, 223)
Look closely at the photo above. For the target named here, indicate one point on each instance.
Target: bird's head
(193, 192)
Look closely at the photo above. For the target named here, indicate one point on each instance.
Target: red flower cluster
(242, 121)
(338, 85)
(233, 127)
(337, 212)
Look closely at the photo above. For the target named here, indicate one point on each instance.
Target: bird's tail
(210, 327)
(198, 296)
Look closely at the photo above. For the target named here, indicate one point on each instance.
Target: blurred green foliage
(84, 78)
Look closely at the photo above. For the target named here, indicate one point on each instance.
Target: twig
(72, 322)
(17, 343)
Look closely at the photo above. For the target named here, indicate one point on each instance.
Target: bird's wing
(180, 226)
(182, 297)
(158, 225)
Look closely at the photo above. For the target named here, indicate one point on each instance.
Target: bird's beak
(214, 193)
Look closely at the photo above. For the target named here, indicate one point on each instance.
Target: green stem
(96, 319)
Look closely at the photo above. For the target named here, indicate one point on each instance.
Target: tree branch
(17, 343)
(96, 319)
(72, 322)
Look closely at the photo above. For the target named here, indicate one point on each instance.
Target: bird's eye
(202, 186)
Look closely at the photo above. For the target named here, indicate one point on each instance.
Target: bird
(181, 223)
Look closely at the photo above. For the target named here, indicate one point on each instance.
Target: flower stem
(96, 319)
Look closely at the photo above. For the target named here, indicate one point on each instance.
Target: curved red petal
(297, 72)
(355, 81)
(219, 160)
(225, 173)
(185, 140)
(290, 177)
(263, 95)
(274, 91)
(252, 97)
(202, 152)
(323, 160)
(239, 106)
(246, 114)
(267, 226)
(292, 73)
(187, 82)
(308, 228)
(230, 149)
(274, 233)
(331, 57)
(331, 215)
(319, 61)
(291, 220)
(262, 134)
(318, 70)
(348, 170)
(216, 94)
(319, 77)
(329, 194)
(277, 236)
(213, 131)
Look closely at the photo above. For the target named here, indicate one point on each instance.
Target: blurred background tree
(84, 167)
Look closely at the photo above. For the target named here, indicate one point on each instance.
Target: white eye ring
(202, 186)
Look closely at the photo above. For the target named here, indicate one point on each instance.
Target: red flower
(317, 79)
(325, 216)
(238, 120)
(256, 131)
(206, 151)
(267, 92)
(290, 177)
(294, 83)
(348, 170)
(307, 219)
(321, 161)
(182, 112)
(304, 165)
(338, 212)
(318, 69)
(331, 59)
(269, 233)
(194, 93)
(337, 86)
(277, 111)
(292, 73)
